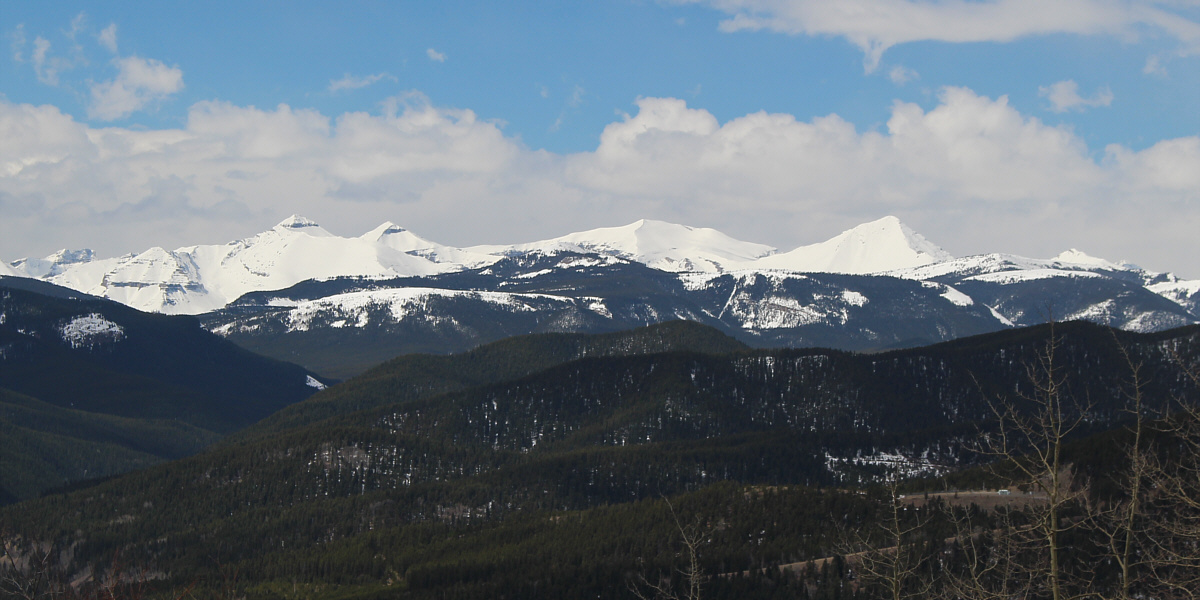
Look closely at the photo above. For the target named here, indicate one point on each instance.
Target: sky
(1020, 126)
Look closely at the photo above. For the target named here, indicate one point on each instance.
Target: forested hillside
(554, 480)
(90, 388)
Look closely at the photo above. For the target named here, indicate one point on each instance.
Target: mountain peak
(891, 231)
(51, 265)
(1082, 258)
(661, 245)
(68, 257)
(297, 222)
(388, 228)
(884, 244)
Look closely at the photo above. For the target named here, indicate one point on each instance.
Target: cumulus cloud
(970, 172)
(435, 56)
(139, 82)
(351, 82)
(876, 25)
(1064, 96)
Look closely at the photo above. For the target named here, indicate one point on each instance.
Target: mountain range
(338, 305)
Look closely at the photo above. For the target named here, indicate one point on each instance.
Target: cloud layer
(971, 173)
(876, 25)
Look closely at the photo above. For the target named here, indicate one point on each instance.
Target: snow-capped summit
(51, 265)
(1076, 257)
(298, 222)
(882, 245)
(661, 245)
(397, 238)
(196, 279)
(8, 271)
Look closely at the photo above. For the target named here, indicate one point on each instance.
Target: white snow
(581, 262)
(882, 245)
(397, 238)
(40, 268)
(1075, 257)
(1030, 275)
(956, 297)
(1183, 292)
(1069, 263)
(597, 306)
(88, 330)
(198, 279)
(313, 383)
(355, 307)
(665, 246)
(9, 271)
(854, 298)
(1001, 318)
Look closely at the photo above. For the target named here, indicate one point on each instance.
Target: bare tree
(692, 537)
(29, 570)
(1173, 525)
(991, 565)
(1031, 432)
(1120, 524)
(892, 559)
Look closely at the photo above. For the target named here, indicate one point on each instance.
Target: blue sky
(1005, 125)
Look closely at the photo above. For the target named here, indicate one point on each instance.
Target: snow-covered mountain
(198, 279)
(877, 285)
(659, 245)
(882, 245)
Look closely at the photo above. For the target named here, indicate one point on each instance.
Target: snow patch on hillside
(854, 298)
(999, 317)
(354, 309)
(1007, 277)
(957, 298)
(88, 331)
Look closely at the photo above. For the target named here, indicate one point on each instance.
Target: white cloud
(1154, 66)
(876, 25)
(18, 43)
(139, 82)
(351, 82)
(108, 38)
(1064, 96)
(577, 95)
(435, 56)
(901, 75)
(46, 67)
(971, 173)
